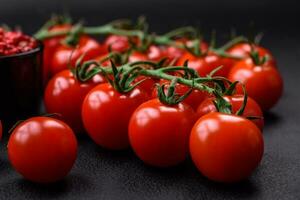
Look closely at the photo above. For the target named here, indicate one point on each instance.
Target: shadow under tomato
(190, 183)
(71, 184)
(271, 118)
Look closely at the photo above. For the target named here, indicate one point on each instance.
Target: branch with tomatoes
(165, 96)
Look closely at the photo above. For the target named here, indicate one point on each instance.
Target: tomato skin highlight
(64, 95)
(226, 148)
(252, 109)
(117, 43)
(42, 149)
(86, 45)
(50, 46)
(194, 99)
(175, 53)
(159, 134)
(106, 114)
(207, 63)
(244, 49)
(263, 83)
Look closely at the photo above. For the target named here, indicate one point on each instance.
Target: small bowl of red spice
(20, 74)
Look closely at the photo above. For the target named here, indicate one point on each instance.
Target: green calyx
(224, 106)
(257, 59)
(169, 96)
(73, 37)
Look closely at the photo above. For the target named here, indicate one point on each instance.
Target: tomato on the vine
(154, 53)
(86, 46)
(64, 94)
(42, 149)
(117, 43)
(244, 50)
(226, 148)
(194, 98)
(159, 134)
(252, 109)
(137, 56)
(175, 52)
(106, 114)
(50, 46)
(263, 82)
(205, 64)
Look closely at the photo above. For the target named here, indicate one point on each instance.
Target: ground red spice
(14, 42)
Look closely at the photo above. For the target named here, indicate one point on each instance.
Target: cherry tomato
(64, 94)
(193, 100)
(244, 49)
(61, 58)
(252, 109)
(147, 85)
(106, 114)
(159, 134)
(263, 83)
(50, 45)
(42, 149)
(175, 53)
(206, 63)
(154, 53)
(117, 43)
(226, 148)
(137, 56)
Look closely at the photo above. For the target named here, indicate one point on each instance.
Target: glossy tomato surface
(106, 114)
(86, 46)
(50, 46)
(226, 148)
(117, 43)
(42, 149)
(193, 100)
(64, 95)
(263, 83)
(252, 109)
(159, 134)
(206, 63)
(244, 49)
(175, 53)
(154, 53)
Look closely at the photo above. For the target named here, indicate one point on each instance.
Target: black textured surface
(101, 174)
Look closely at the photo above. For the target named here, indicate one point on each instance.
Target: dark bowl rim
(39, 47)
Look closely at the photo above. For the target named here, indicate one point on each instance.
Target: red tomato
(117, 43)
(154, 53)
(50, 45)
(106, 114)
(193, 100)
(244, 49)
(207, 63)
(147, 85)
(226, 148)
(175, 53)
(137, 56)
(159, 133)
(252, 109)
(263, 83)
(42, 149)
(64, 95)
(61, 58)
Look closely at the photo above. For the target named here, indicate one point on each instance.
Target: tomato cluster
(162, 124)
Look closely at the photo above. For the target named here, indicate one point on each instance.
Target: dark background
(100, 174)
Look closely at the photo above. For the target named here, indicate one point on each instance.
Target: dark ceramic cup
(21, 84)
